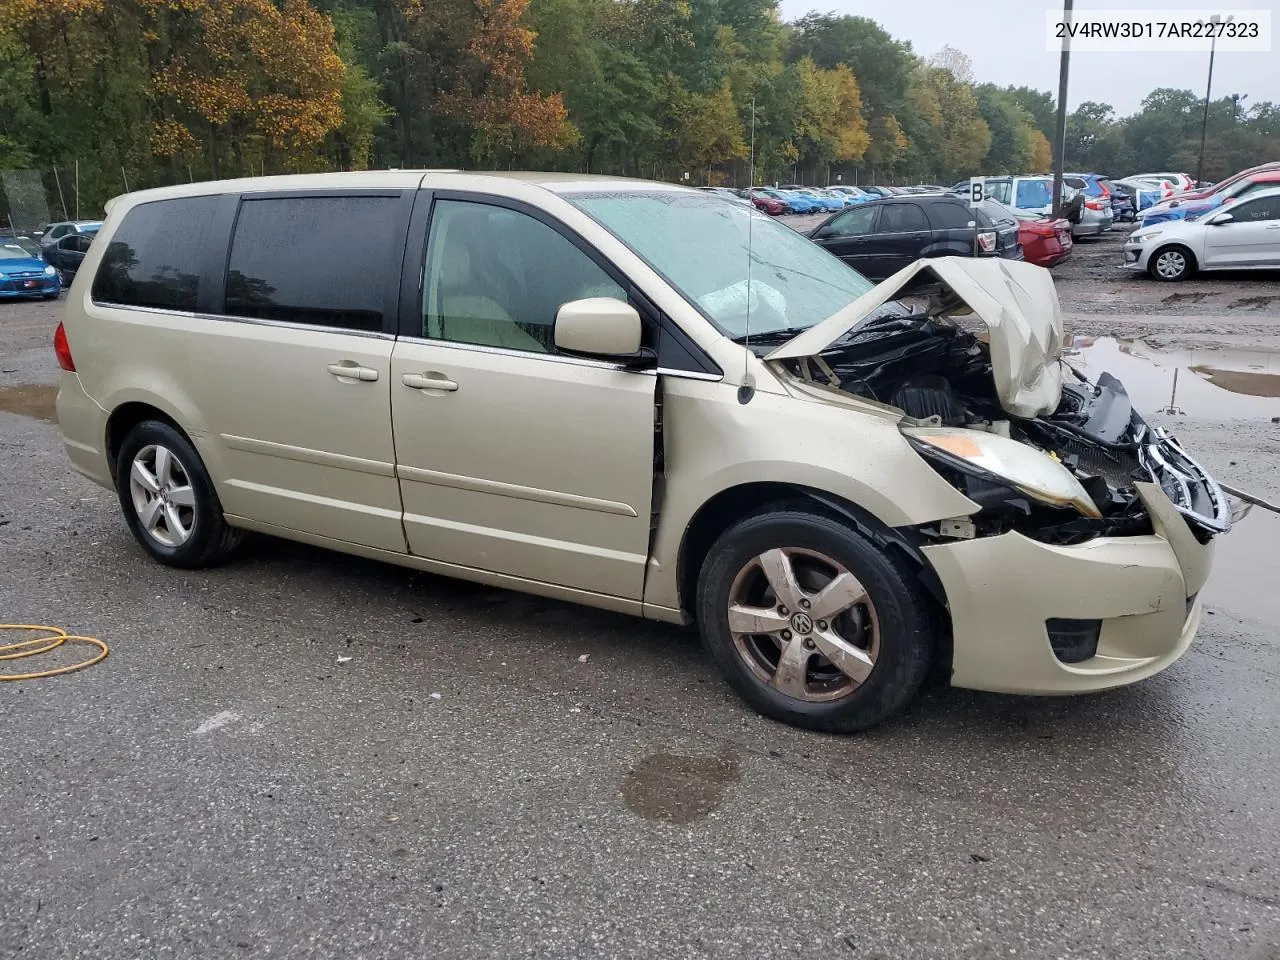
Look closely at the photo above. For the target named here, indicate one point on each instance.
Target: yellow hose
(55, 637)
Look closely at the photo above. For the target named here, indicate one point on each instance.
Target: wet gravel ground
(466, 786)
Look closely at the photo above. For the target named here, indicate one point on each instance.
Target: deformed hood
(1015, 300)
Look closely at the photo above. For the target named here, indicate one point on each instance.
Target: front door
(512, 457)
(902, 233)
(1251, 238)
(848, 235)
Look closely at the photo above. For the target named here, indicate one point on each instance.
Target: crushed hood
(1015, 300)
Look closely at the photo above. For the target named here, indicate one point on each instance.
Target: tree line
(148, 92)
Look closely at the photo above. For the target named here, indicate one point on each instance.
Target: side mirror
(600, 327)
(1221, 218)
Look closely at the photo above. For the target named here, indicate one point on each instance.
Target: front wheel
(1172, 264)
(812, 623)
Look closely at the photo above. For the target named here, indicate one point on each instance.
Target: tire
(50, 296)
(1172, 263)
(894, 631)
(186, 527)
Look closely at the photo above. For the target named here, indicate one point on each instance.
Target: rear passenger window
(902, 218)
(323, 261)
(153, 259)
(950, 216)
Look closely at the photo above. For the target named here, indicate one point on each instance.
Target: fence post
(62, 201)
(125, 177)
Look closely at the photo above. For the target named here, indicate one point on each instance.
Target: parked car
(66, 255)
(1100, 188)
(1201, 193)
(56, 231)
(1182, 182)
(825, 202)
(733, 196)
(24, 275)
(877, 191)
(1142, 194)
(1181, 209)
(581, 389)
(763, 200)
(798, 202)
(854, 195)
(1035, 195)
(844, 199)
(881, 237)
(1244, 237)
(1044, 240)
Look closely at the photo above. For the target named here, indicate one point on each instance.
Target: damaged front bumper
(1005, 592)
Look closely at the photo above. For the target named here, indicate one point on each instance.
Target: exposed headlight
(1143, 237)
(1023, 467)
(50, 271)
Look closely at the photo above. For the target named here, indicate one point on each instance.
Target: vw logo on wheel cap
(802, 623)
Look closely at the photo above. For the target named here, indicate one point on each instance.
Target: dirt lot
(467, 786)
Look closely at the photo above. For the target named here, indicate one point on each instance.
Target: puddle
(30, 401)
(1226, 383)
(675, 789)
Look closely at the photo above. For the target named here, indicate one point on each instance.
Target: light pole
(1060, 127)
(1208, 89)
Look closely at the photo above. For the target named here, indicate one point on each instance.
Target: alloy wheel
(804, 624)
(162, 495)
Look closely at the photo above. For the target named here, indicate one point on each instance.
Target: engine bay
(939, 374)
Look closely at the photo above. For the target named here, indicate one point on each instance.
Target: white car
(1244, 237)
(1181, 182)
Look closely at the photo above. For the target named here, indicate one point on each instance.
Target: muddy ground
(303, 754)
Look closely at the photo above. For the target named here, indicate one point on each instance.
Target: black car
(67, 253)
(881, 237)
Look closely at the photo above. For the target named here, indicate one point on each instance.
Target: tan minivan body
(596, 469)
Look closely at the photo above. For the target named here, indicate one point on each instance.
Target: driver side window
(1253, 211)
(497, 277)
(854, 223)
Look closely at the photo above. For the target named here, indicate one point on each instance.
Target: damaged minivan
(647, 399)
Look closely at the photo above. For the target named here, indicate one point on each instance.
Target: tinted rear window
(314, 260)
(154, 257)
(949, 216)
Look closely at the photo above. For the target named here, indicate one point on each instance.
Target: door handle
(429, 381)
(1273, 226)
(350, 370)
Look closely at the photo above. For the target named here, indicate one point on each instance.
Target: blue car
(1190, 210)
(825, 203)
(798, 202)
(22, 275)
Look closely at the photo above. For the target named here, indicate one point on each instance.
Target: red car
(1045, 241)
(770, 205)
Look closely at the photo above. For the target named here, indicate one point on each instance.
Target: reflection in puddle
(30, 401)
(1199, 383)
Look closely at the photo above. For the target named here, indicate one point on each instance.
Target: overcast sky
(1005, 39)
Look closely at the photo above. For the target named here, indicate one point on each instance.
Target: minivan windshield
(708, 249)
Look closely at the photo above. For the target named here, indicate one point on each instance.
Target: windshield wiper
(770, 336)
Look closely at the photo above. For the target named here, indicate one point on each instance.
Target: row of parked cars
(40, 264)
(1230, 225)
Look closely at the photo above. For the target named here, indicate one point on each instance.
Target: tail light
(1093, 204)
(62, 350)
(987, 241)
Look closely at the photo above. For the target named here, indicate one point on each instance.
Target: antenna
(747, 389)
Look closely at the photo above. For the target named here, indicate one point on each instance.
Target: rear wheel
(1172, 264)
(168, 498)
(812, 623)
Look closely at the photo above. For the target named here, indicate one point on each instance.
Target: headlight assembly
(1006, 461)
(50, 271)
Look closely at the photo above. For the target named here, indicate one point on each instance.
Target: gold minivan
(648, 399)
